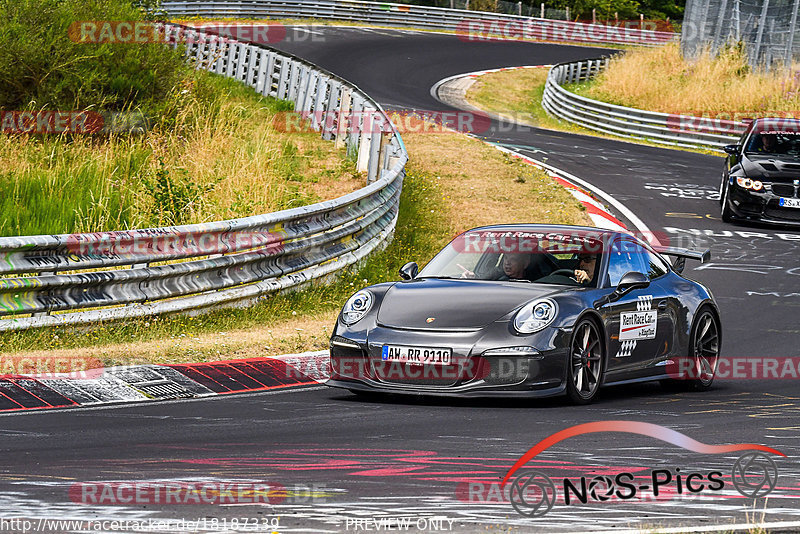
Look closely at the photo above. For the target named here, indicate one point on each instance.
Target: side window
(626, 256)
(657, 267)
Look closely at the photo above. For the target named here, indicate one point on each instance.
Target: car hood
(770, 167)
(455, 304)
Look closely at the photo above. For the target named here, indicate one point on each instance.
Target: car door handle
(662, 305)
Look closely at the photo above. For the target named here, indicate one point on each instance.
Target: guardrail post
(383, 157)
(364, 141)
(318, 118)
(200, 53)
(268, 81)
(355, 125)
(224, 50)
(293, 88)
(211, 59)
(231, 65)
(261, 77)
(343, 118)
(283, 83)
(376, 126)
(332, 110)
(309, 95)
(252, 73)
(191, 36)
(304, 85)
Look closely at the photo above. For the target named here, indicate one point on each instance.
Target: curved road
(414, 460)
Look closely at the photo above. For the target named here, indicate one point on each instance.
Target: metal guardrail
(82, 277)
(669, 129)
(469, 24)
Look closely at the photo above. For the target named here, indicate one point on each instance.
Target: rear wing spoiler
(682, 254)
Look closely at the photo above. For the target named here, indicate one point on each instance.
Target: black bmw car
(530, 310)
(761, 179)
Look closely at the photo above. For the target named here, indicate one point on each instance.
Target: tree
(605, 9)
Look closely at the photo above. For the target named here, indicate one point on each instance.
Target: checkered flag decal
(645, 303)
(626, 348)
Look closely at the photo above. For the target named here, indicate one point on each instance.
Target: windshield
(527, 257)
(777, 143)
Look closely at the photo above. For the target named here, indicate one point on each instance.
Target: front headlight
(535, 316)
(357, 307)
(747, 183)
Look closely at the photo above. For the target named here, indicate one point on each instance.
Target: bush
(42, 68)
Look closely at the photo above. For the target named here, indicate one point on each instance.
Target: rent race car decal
(637, 325)
(640, 324)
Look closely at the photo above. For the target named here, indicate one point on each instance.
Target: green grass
(213, 156)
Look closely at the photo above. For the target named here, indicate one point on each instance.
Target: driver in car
(585, 271)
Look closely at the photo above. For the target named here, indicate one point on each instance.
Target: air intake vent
(769, 167)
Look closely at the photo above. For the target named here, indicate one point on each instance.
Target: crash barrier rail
(470, 24)
(92, 277)
(665, 128)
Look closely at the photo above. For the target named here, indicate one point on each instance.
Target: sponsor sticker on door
(637, 325)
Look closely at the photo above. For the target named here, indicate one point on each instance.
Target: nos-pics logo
(532, 493)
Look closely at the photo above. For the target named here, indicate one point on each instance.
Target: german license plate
(418, 355)
(789, 202)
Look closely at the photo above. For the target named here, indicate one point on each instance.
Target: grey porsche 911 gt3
(530, 310)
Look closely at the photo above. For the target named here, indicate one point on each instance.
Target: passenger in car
(515, 266)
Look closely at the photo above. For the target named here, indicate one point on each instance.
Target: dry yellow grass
(659, 79)
(480, 185)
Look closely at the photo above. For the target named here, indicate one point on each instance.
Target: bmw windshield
(774, 143)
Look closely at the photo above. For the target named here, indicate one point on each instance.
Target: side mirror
(409, 270)
(731, 150)
(631, 281)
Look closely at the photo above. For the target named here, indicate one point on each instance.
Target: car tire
(725, 210)
(586, 362)
(705, 342)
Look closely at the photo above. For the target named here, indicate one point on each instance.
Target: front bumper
(356, 363)
(762, 206)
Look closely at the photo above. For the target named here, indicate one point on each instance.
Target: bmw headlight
(535, 316)
(357, 307)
